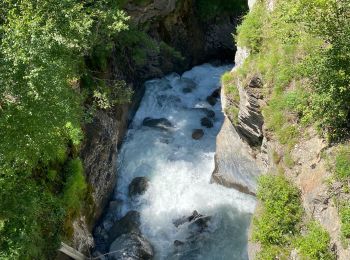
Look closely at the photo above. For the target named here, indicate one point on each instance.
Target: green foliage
(31, 220)
(107, 96)
(75, 186)
(314, 245)
(329, 67)
(288, 160)
(250, 32)
(232, 93)
(281, 211)
(44, 49)
(345, 220)
(208, 9)
(342, 163)
(302, 47)
(139, 44)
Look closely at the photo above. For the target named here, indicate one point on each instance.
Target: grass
(314, 245)
(281, 212)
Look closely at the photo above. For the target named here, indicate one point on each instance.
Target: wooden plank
(71, 252)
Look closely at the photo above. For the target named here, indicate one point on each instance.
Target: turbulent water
(179, 169)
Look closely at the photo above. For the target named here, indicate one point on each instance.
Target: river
(179, 170)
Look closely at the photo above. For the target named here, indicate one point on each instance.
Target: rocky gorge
(244, 149)
(172, 22)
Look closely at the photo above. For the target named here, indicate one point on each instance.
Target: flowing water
(179, 169)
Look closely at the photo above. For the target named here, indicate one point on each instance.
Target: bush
(281, 211)
(345, 220)
(250, 32)
(342, 163)
(75, 186)
(314, 245)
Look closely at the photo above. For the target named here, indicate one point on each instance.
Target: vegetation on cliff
(44, 46)
(300, 50)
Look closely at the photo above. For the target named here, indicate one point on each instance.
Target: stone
(197, 134)
(206, 122)
(186, 90)
(138, 186)
(195, 215)
(188, 85)
(178, 243)
(234, 166)
(161, 123)
(200, 224)
(131, 247)
(250, 119)
(128, 224)
(211, 100)
(209, 113)
(216, 93)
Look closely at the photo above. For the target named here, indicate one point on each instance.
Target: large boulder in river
(197, 134)
(138, 186)
(131, 247)
(161, 123)
(206, 122)
(128, 224)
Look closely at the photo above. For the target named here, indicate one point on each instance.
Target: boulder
(178, 243)
(131, 246)
(138, 186)
(128, 224)
(195, 215)
(197, 134)
(212, 100)
(161, 123)
(188, 85)
(200, 224)
(206, 122)
(209, 113)
(216, 93)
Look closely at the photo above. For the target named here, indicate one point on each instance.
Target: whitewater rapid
(179, 169)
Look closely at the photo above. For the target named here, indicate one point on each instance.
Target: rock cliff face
(250, 119)
(177, 23)
(235, 167)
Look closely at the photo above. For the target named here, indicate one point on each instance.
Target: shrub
(314, 245)
(281, 211)
(345, 220)
(342, 163)
(75, 186)
(250, 32)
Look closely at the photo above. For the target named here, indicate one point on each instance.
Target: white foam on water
(179, 169)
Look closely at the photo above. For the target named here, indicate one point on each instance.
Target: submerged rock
(138, 186)
(161, 123)
(197, 134)
(128, 224)
(180, 221)
(188, 85)
(131, 247)
(206, 122)
(209, 113)
(211, 100)
(200, 224)
(178, 243)
(216, 93)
